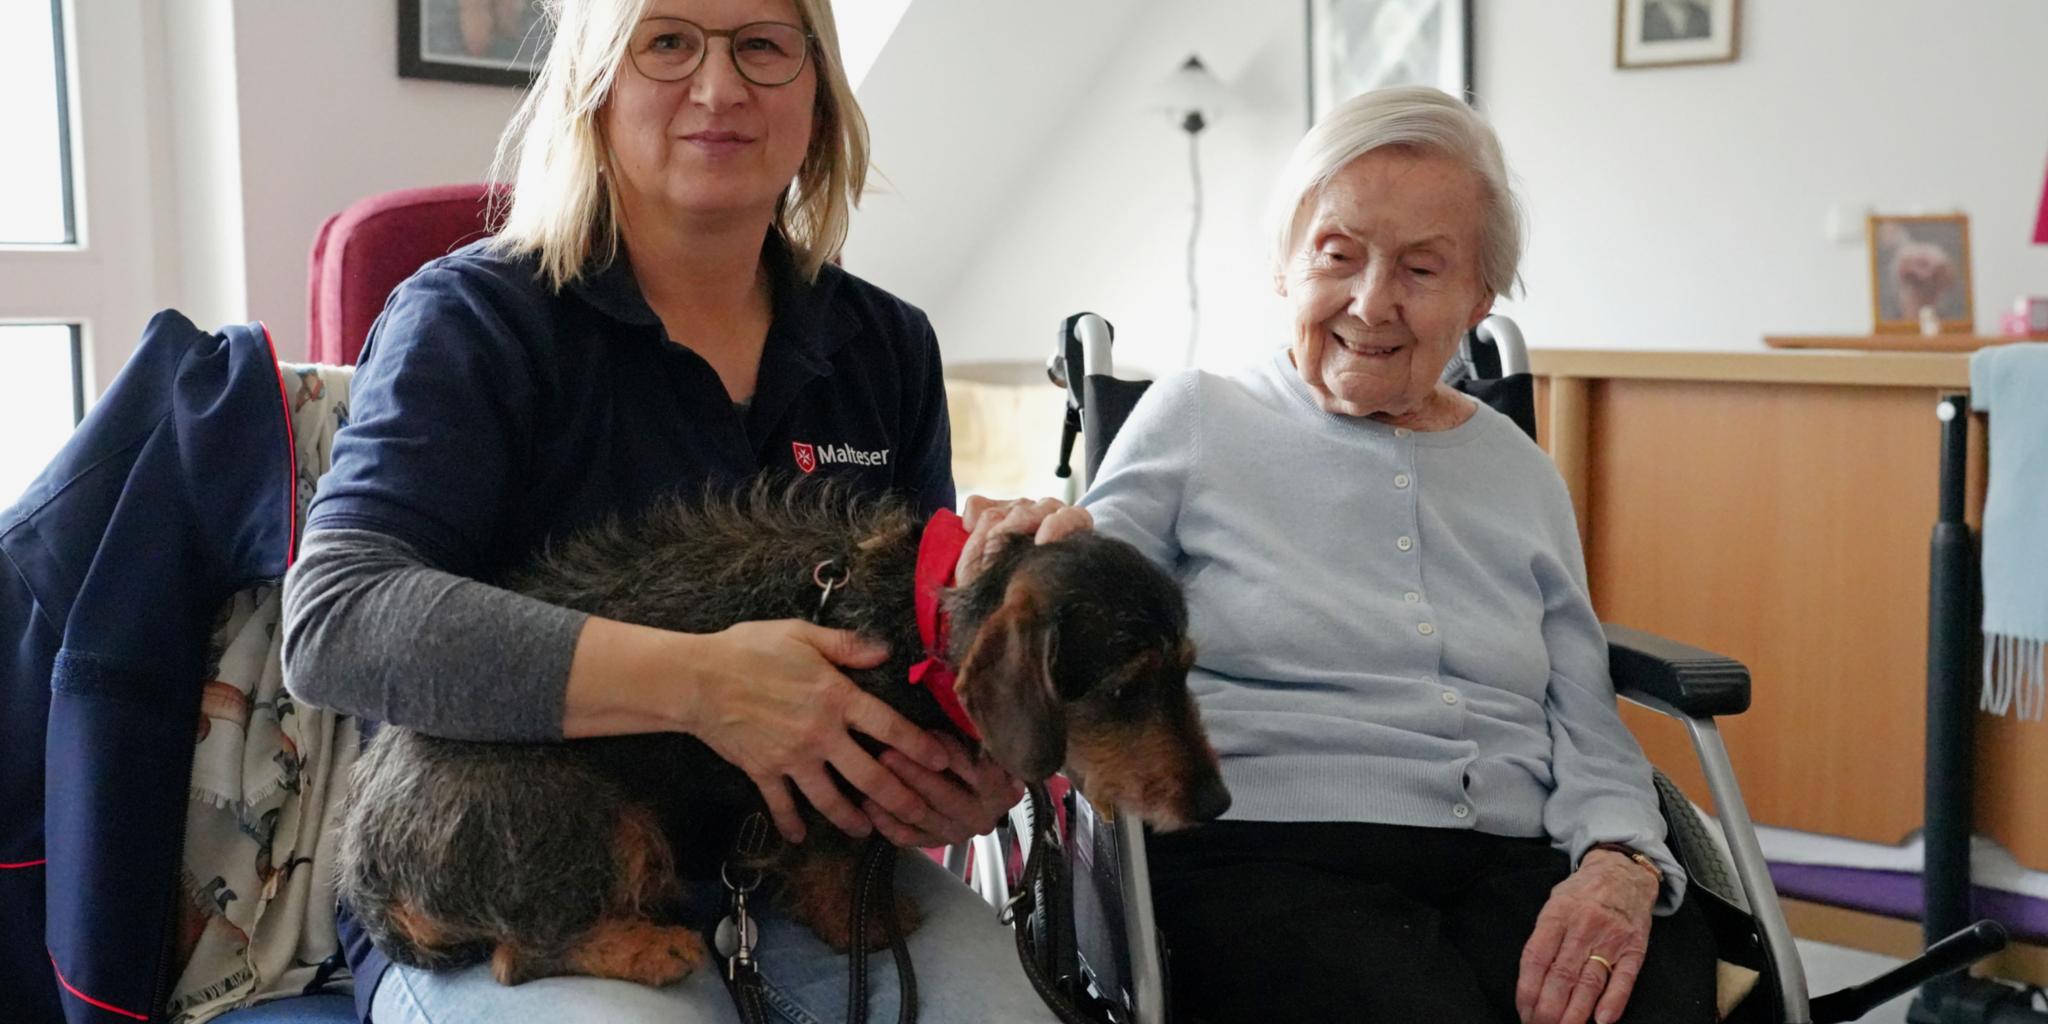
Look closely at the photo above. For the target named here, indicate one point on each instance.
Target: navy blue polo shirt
(490, 415)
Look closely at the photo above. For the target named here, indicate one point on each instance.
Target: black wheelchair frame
(1105, 950)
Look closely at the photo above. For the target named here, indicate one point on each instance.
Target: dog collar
(938, 555)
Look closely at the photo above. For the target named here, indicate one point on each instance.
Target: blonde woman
(659, 313)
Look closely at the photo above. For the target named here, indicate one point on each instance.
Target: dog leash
(1041, 899)
(875, 892)
(874, 881)
(737, 935)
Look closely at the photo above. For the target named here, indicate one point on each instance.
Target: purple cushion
(1897, 894)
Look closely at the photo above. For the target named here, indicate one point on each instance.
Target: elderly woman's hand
(1602, 910)
(1046, 519)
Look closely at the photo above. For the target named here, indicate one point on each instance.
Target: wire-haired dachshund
(552, 859)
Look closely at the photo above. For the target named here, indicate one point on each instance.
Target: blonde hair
(1413, 117)
(553, 153)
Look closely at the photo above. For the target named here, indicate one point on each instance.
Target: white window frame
(106, 282)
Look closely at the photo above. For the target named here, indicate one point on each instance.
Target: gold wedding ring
(1602, 961)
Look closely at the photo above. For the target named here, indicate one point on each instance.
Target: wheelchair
(1095, 938)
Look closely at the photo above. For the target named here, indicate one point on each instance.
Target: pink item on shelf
(2028, 317)
(2041, 220)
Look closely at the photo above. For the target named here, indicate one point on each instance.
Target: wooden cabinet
(1776, 507)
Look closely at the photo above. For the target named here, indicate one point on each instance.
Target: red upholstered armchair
(365, 250)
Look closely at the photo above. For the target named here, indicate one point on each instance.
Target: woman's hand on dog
(1045, 520)
(772, 701)
(969, 797)
(1602, 909)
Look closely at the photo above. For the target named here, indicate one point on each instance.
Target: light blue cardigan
(1390, 626)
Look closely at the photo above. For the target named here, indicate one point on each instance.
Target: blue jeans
(966, 964)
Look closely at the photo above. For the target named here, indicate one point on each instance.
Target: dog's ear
(1006, 685)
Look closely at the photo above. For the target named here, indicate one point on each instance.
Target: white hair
(554, 154)
(1408, 117)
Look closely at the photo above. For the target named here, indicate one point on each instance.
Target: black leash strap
(1040, 896)
(875, 893)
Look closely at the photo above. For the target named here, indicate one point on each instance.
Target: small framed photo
(1661, 33)
(1920, 275)
(491, 42)
(1356, 46)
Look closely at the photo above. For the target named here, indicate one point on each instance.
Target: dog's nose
(1212, 801)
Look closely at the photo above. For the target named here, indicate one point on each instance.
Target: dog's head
(1076, 654)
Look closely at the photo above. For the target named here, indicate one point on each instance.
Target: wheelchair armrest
(1696, 682)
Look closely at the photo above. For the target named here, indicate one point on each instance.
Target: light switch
(1846, 223)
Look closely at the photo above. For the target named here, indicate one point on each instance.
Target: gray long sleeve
(372, 629)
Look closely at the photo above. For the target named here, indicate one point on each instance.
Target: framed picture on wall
(1920, 275)
(1359, 45)
(492, 42)
(1661, 33)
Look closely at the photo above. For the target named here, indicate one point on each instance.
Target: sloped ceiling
(961, 105)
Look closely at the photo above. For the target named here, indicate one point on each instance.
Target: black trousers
(1271, 921)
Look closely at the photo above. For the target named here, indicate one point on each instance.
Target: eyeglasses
(766, 53)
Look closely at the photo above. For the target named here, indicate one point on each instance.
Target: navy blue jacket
(175, 492)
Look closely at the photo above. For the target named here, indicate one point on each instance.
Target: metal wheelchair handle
(1507, 339)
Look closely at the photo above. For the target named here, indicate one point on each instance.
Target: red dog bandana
(938, 554)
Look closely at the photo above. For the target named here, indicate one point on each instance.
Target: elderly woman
(1438, 814)
(658, 315)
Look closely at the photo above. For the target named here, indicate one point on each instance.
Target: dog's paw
(907, 915)
(836, 931)
(639, 951)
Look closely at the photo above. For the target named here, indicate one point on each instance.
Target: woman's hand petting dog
(773, 702)
(970, 797)
(1046, 520)
(969, 794)
(769, 698)
(1602, 910)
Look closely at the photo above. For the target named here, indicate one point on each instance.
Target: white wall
(1686, 207)
(1680, 207)
(1101, 219)
(199, 141)
(325, 120)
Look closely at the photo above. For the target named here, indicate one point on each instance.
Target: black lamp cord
(1193, 126)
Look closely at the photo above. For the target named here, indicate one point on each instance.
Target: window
(40, 400)
(77, 242)
(35, 179)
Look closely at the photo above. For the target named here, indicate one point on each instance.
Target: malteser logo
(810, 457)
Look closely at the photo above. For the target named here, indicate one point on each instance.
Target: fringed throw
(2010, 382)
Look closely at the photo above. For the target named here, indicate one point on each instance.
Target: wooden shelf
(1806, 366)
(1894, 342)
